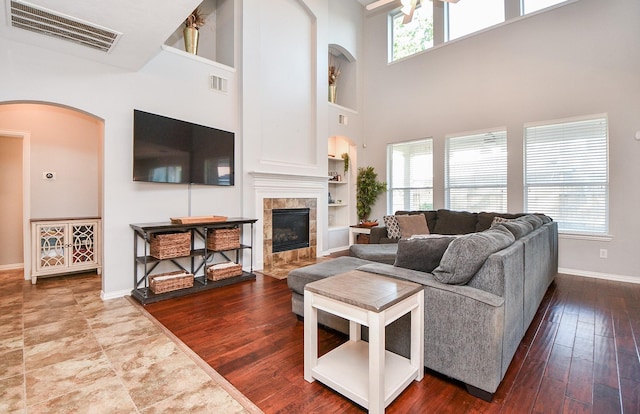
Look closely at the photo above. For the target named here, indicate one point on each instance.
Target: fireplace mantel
(269, 179)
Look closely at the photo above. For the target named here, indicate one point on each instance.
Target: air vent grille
(218, 84)
(37, 20)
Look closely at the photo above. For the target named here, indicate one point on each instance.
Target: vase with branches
(192, 23)
(334, 73)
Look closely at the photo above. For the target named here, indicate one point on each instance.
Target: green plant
(368, 188)
(345, 157)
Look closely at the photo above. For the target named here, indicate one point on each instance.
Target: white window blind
(410, 176)
(566, 174)
(476, 172)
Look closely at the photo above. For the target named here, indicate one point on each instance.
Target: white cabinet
(64, 246)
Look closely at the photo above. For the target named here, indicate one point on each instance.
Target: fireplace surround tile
(270, 259)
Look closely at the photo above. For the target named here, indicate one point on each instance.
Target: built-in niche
(216, 37)
(346, 82)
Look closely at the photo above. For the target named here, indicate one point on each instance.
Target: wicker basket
(223, 271)
(168, 245)
(167, 282)
(223, 239)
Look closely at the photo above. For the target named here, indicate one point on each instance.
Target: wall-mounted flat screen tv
(167, 150)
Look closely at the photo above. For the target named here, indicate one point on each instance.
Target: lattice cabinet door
(83, 244)
(64, 246)
(51, 249)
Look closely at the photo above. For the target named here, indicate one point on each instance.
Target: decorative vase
(190, 40)
(332, 93)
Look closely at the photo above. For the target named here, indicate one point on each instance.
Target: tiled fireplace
(295, 254)
(287, 191)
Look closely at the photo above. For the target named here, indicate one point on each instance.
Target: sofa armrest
(376, 234)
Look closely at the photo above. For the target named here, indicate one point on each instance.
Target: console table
(196, 260)
(365, 373)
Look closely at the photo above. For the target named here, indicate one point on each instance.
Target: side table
(355, 230)
(364, 372)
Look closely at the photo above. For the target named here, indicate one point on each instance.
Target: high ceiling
(144, 25)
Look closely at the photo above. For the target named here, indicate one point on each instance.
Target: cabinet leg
(34, 279)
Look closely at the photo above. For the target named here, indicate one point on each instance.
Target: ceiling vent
(29, 17)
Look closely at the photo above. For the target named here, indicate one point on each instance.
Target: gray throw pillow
(422, 254)
(466, 255)
(517, 227)
(532, 219)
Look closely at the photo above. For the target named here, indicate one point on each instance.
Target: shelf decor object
(170, 281)
(195, 20)
(197, 219)
(334, 72)
(223, 271)
(168, 245)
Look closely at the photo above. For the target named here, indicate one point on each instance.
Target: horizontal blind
(566, 174)
(410, 167)
(476, 172)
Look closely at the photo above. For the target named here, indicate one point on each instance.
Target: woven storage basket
(223, 271)
(168, 245)
(223, 239)
(167, 282)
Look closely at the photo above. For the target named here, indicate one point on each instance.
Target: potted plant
(191, 25)
(345, 158)
(368, 188)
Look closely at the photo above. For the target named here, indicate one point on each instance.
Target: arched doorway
(60, 140)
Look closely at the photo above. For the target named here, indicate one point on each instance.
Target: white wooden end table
(364, 372)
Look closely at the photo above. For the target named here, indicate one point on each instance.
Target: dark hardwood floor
(580, 354)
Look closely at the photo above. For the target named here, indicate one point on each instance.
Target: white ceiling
(145, 25)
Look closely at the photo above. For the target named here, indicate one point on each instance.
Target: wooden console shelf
(195, 262)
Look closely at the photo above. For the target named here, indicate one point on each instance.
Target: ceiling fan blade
(378, 3)
(408, 16)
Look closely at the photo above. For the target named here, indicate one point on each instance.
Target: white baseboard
(15, 266)
(114, 295)
(596, 275)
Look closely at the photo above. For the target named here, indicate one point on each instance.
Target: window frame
(390, 168)
(606, 183)
(504, 176)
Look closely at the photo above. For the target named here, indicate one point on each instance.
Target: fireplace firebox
(290, 228)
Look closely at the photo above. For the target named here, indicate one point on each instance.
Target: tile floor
(64, 349)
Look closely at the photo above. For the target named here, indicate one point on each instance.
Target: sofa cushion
(422, 254)
(412, 224)
(393, 228)
(466, 254)
(486, 219)
(381, 253)
(298, 278)
(517, 227)
(534, 220)
(455, 222)
(430, 215)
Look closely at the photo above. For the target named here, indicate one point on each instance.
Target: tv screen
(167, 150)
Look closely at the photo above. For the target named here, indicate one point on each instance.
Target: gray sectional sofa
(479, 299)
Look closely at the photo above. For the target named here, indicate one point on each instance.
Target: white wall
(579, 59)
(170, 84)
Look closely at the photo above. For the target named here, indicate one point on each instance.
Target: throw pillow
(422, 254)
(466, 255)
(412, 224)
(534, 220)
(455, 222)
(518, 227)
(393, 228)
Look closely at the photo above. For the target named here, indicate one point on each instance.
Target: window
(476, 172)
(529, 6)
(566, 174)
(413, 37)
(470, 16)
(410, 175)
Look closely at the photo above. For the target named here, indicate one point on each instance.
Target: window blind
(476, 172)
(410, 176)
(566, 174)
